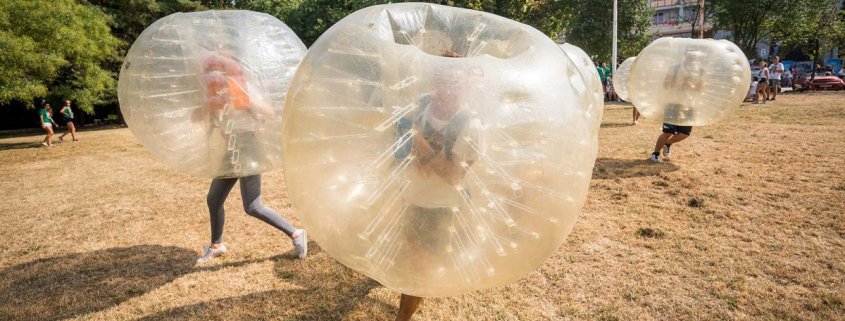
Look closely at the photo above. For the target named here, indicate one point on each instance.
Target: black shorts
(762, 81)
(68, 121)
(675, 129)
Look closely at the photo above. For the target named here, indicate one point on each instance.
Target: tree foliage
(749, 21)
(56, 48)
(128, 18)
(591, 27)
(814, 24)
(310, 18)
(545, 15)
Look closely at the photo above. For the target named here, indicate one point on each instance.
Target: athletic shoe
(61, 139)
(666, 151)
(209, 253)
(300, 243)
(654, 158)
(45, 144)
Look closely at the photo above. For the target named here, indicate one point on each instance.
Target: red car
(821, 82)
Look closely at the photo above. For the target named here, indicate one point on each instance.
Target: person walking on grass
(71, 129)
(45, 118)
(228, 101)
(636, 116)
(762, 85)
(685, 81)
(446, 143)
(671, 134)
(775, 75)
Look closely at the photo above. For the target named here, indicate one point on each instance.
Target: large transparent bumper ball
(620, 78)
(205, 91)
(438, 150)
(586, 70)
(689, 82)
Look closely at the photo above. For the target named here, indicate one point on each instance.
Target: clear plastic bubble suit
(205, 91)
(586, 70)
(620, 78)
(436, 175)
(689, 82)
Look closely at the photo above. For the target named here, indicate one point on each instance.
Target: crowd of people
(766, 86)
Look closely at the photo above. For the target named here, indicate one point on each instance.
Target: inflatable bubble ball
(689, 82)
(439, 150)
(205, 91)
(620, 78)
(586, 70)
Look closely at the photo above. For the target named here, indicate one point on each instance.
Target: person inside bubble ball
(231, 110)
(688, 78)
(446, 141)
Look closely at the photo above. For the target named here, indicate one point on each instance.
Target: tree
(750, 21)
(816, 23)
(547, 16)
(310, 18)
(591, 27)
(128, 18)
(57, 49)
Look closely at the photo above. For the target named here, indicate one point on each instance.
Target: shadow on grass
(67, 286)
(610, 168)
(10, 146)
(616, 125)
(71, 285)
(13, 133)
(323, 290)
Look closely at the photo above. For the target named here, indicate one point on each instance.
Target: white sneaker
(300, 243)
(666, 151)
(209, 253)
(654, 158)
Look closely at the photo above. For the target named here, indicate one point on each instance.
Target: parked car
(822, 81)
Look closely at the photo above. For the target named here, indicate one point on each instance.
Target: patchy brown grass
(746, 222)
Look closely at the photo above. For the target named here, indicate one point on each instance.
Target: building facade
(678, 18)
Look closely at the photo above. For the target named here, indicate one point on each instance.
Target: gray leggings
(251, 194)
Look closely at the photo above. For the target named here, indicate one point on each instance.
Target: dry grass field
(746, 222)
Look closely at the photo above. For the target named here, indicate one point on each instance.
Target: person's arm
(422, 149)
(258, 109)
(50, 116)
(464, 151)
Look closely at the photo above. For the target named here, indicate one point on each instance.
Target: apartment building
(672, 18)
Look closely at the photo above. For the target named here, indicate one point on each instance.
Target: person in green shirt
(71, 129)
(604, 75)
(45, 117)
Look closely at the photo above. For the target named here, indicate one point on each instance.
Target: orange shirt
(220, 92)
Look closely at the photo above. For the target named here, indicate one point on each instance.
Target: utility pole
(615, 20)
